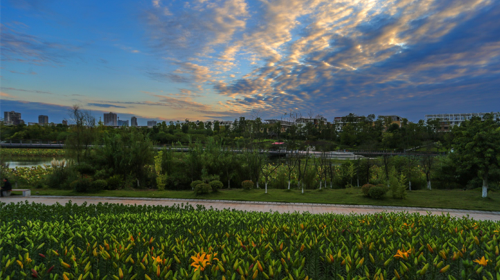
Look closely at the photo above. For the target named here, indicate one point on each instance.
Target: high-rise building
(64, 122)
(12, 118)
(110, 119)
(133, 121)
(122, 123)
(151, 123)
(43, 120)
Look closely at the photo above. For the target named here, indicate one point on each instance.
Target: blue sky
(221, 59)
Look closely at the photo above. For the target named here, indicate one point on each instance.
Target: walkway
(256, 206)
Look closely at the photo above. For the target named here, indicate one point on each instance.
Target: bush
(216, 185)
(99, 185)
(196, 183)
(61, 178)
(366, 188)
(202, 189)
(82, 185)
(85, 169)
(114, 182)
(397, 185)
(378, 191)
(247, 184)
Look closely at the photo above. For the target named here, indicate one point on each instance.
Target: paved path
(256, 206)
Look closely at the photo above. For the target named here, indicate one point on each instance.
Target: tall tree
(477, 145)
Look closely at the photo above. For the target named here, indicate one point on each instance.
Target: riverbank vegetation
(125, 159)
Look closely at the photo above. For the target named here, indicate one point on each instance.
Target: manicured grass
(448, 199)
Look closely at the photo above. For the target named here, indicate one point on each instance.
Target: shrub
(84, 169)
(247, 184)
(114, 182)
(366, 188)
(61, 178)
(196, 183)
(216, 185)
(82, 185)
(397, 184)
(202, 189)
(99, 185)
(377, 192)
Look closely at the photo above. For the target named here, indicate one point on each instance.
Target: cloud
(104, 105)
(3, 94)
(21, 47)
(358, 55)
(194, 29)
(25, 90)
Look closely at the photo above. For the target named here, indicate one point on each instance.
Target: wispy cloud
(21, 47)
(25, 90)
(104, 105)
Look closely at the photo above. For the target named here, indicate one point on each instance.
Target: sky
(222, 59)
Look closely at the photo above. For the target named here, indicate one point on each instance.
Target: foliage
(83, 185)
(32, 152)
(202, 188)
(27, 175)
(397, 184)
(366, 188)
(98, 185)
(144, 242)
(196, 183)
(477, 147)
(377, 191)
(216, 185)
(161, 179)
(114, 182)
(247, 184)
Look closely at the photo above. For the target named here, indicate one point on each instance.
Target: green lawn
(451, 199)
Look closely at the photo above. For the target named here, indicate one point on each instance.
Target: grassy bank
(448, 199)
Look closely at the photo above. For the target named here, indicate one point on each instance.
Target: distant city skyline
(221, 59)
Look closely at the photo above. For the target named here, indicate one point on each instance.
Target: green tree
(477, 145)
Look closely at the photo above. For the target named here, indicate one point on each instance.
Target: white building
(449, 120)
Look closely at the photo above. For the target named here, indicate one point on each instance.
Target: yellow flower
(402, 254)
(200, 261)
(482, 261)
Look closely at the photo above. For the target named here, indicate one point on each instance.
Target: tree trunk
(429, 185)
(331, 184)
(257, 184)
(288, 184)
(266, 186)
(229, 183)
(485, 187)
(358, 182)
(320, 183)
(302, 189)
(409, 185)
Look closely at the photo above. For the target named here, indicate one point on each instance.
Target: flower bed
(109, 241)
(33, 152)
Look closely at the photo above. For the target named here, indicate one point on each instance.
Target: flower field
(33, 152)
(109, 241)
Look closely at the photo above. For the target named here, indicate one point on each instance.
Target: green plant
(76, 239)
(247, 184)
(99, 185)
(366, 188)
(397, 184)
(115, 182)
(82, 185)
(216, 185)
(377, 192)
(161, 179)
(202, 188)
(196, 183)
